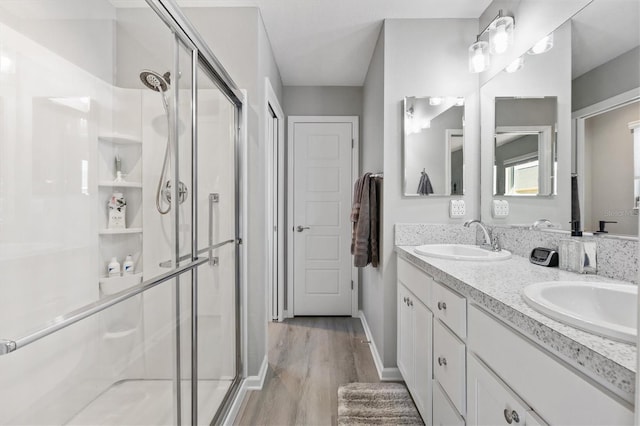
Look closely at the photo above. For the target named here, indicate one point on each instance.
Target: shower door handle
(213, 199)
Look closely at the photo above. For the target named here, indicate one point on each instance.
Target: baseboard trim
(249, 383)
(385, 374)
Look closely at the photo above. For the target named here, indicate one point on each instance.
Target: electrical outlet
(457, 208)
(500, 209)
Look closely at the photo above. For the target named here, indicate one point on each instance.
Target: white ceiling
(330, 42)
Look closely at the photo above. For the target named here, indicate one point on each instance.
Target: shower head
(155, 81)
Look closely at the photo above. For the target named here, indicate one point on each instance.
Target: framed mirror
(433, 146)
(524, 154)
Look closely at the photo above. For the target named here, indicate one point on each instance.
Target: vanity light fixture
(515, 65)
(542, 46)
(479, 56)
(500, 31)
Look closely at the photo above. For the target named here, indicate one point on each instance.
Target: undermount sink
(606, 309)
(462, 252)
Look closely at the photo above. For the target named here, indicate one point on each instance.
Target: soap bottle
(127, 265)
(113, 270)
(117, 208)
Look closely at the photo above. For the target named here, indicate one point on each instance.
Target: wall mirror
(433, 146)
(524, 153)
(594, 76)
(606, 98)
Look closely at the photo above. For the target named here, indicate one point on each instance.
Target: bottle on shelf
(128, 266)
(117, 207)
(113, 269)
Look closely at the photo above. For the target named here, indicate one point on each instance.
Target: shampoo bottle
(113, 270)
(127, 265)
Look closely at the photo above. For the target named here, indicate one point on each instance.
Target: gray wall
(371, 158)
(607, 80)
(322, 100)
(420, 57)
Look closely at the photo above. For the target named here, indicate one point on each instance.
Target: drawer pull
(410, 302)
(443, 361)
(442, 306)
(511, 417)
(406, 300)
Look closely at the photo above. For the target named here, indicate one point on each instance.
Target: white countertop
(497, 287)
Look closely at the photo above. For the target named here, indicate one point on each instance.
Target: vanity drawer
(418, 282)
(449, 364)
(444, 413)
(450, 308)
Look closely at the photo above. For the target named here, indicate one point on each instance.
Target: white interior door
(322, 176)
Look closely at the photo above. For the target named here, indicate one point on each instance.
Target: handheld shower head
(155, 81)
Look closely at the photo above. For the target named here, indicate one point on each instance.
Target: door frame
(579, 118)
(274, 181)
(292, 120)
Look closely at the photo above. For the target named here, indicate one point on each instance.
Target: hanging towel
(355, 208)
(363, 226)
(575, 200)
(424, 187)
(375, 198)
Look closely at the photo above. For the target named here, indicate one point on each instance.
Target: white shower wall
(54, 105)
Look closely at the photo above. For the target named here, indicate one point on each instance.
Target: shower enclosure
(96, 167)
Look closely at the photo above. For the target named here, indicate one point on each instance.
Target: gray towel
(363, 226)
(424, 187)
(575, 201)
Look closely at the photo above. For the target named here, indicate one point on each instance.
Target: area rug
(376, 404)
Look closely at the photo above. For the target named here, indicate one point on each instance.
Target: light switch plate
(457, 208)
(500, 209)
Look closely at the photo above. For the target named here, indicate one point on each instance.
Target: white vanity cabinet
(514, 370)
(492, 402)
(414, 340)
(429, 348)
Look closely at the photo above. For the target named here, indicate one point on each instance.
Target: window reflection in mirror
(525, 160)
(433, 145)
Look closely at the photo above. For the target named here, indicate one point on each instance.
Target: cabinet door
(490, 401)
(423, 356)
(405, 336)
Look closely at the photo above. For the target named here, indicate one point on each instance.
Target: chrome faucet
(492, 244)
(537, 223)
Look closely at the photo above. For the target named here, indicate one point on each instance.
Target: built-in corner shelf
(112, 184)
(120, 231)
(119, 139)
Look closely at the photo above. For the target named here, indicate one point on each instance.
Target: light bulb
(479, 56)
(515, 65)
(542, 46)
(500, 35)
(435, 100)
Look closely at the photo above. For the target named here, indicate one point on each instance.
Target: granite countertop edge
(547, 333)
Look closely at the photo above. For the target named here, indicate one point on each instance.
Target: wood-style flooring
(309, 358)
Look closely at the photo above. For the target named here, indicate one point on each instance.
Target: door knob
(300, 228)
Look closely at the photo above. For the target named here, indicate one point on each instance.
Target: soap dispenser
(113, 269)
(128, 266)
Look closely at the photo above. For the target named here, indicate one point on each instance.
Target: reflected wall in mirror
(433, 145)
(606, 98)
(525, 136)
(525, 158)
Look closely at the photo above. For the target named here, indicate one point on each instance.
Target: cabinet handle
(404, 299)
(443, 361)
(512, 416)
(410, 302)
(442, 306)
